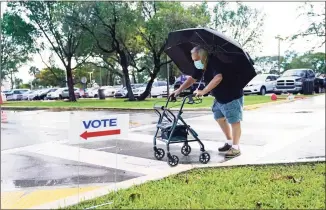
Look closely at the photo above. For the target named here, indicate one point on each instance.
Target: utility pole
(279, 38)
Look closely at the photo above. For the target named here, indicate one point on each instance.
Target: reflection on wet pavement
(22, 170)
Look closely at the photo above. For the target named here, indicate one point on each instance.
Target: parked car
(65, 93)
(291, 81)
(6, 92)
(123, 93)
(92, 92)
(55, 94)
(26, 94)
(261, 84)
(140, 90)
(109, 91)
(171, 89)
(43, 93)
(16, 94)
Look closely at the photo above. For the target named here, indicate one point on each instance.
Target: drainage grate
(303, 112)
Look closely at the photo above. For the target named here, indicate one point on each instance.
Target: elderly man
(228, 104)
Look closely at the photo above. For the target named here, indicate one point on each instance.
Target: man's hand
(199, 93)
(176, 92)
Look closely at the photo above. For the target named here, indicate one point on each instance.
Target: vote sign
(104, 127)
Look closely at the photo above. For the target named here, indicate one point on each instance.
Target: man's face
(195, 56)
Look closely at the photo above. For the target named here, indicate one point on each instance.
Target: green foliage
(51, 77)
(16, 43)
(315, 14)
(243, 24)
(314, 61)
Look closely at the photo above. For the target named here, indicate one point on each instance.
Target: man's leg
(233, 113)
(227, 132)
(220, 119)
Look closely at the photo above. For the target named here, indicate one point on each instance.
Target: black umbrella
(236, 64)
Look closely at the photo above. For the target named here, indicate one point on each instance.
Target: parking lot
(37, 155)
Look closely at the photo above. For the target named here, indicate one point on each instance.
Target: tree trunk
(148, 89)
(134, 76)
(71, 91)
(124, 65)
(107, 81)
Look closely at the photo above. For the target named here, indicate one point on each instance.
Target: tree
(315, 14)
(66, 40)
(112, 25)
(158, 19)
(18, 82)
(47, 78)
(16, 43)
(314, 61)
(243, 24)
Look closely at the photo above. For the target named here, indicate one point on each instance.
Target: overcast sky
(281, 19)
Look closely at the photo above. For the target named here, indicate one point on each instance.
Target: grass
(299, 186)
(121, 103)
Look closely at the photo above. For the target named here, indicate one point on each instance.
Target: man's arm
(213, 83)
(187, 83)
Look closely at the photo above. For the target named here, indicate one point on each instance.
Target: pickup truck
(291, 81)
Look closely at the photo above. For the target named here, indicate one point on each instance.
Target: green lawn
(121, 103)
(300, 186)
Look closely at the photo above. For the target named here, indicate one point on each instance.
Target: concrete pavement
(46, 162)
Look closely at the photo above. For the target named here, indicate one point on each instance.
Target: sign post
(84, 81)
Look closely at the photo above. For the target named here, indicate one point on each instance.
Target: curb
(73, 200)
(31, 108)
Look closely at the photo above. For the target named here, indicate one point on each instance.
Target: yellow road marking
(17, 200)
(8, 198)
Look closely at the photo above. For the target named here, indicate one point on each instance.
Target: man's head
(199, 56)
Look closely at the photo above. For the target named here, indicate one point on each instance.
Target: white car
(55, 95)
(159, 88)
(123, 93)
(92, 92)
(261, 84)
(16, 94)
(109, 91)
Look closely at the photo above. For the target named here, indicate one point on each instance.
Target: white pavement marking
(105, 159)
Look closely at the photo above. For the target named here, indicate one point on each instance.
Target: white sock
(236, 147)
(229, 142)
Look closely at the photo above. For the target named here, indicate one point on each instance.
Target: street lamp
(279, 38)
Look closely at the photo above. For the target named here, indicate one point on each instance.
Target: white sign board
(99, 128)
(84, 80)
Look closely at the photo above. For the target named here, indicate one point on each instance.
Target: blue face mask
(199, 64)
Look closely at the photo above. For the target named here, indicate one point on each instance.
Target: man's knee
(221, 120)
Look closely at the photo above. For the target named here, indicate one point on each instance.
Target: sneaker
(232, 153)
(225, 148)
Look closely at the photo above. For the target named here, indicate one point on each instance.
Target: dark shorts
(232, 111)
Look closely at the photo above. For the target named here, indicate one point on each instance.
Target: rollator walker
(173, 129)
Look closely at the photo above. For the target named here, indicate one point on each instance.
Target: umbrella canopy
(235, 63)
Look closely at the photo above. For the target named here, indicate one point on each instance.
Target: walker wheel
(204, 157)
(159, 154)
(185, 150)
(173, 161)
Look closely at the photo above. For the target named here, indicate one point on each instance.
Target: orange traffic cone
(4, 118)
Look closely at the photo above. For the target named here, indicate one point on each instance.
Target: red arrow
(86, 134)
